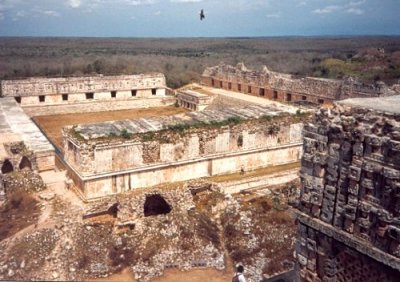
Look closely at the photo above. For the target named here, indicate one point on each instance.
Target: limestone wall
(98, 106)
(99, 186)
(284, 87)
(71, 90)
(96, 156)
(76, 85)
(350, 178)
(114, 167)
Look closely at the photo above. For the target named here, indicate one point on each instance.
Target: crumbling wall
(350, 178)
(284, 87)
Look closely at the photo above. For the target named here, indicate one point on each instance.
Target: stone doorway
(25, 163)
(7, 167)
(156, 205)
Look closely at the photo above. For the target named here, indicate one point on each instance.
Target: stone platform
(16, 126)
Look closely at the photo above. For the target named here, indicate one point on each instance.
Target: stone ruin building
(349, 209)
(22, 99)
(220, 135)
(40, 96)
(288, 88)
(177, 148)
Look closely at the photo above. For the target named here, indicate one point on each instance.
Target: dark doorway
(89, 95)
(7, 167)
(25, 163)
(155, 205)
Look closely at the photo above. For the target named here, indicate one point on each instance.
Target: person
(239, 277)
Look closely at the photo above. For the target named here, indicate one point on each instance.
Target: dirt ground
(21, 211)
(175, 275)
(52, 124)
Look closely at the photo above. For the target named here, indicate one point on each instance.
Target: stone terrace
(15, 125)
(97, 130)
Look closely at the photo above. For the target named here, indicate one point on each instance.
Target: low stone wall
(99, 106)
(265, 181)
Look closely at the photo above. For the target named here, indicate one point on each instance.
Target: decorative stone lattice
(350, 191)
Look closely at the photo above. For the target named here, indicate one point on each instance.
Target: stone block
(318, 183)
(373, 140)
(306, 197)
(394, 248)
(394, 145)
(302, 260)
(350, 212)
(326, 216)
(332, 161)
(367, 184)
(348, 225)
(330, 189)
(358, 149)
(391, 173)
(315, 210)
(394, 232)
(352, 200)
(355, 173)
(319, 171)
(308, 156)
(333, 172)
(320, 158)
(353, 188)
(312, 266)
(311, 245)
(316, 198)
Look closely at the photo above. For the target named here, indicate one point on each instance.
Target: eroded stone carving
(352, 194)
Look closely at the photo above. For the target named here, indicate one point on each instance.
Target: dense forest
(183, 60)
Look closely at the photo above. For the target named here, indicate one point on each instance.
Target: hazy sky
(177, 18)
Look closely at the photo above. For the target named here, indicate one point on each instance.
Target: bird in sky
(202, 16)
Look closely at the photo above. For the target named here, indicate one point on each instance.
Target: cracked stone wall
(349, 207)
(285, 87)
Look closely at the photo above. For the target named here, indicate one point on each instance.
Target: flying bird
(202, 16)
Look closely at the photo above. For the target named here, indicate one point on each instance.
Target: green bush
(125, 134)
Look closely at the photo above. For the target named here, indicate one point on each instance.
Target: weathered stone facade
(72, 90)
(288, 88)
(178, 148)
(194, 100)
(349, 208)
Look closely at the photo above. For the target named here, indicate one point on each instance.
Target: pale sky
(180, 18)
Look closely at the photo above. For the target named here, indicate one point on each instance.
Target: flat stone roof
(389, 104)
(15, 125)
(193, 93)
(96, 130)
